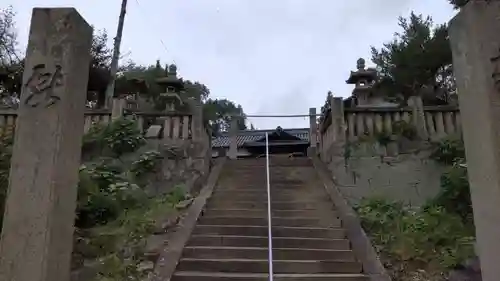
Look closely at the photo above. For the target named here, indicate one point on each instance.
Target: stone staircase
(230, 240)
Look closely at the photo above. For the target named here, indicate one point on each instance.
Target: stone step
(224, 197)
(282, 205)
(274, 189)
(262, 221)
(257, 181)
(262, 241)
(308, 232)
(211, 276)
(211, 252)
(233, 212)
(257, 194)
(262, 266)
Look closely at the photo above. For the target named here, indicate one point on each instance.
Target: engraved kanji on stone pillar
(37, 235)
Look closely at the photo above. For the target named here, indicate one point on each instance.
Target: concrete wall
(409, 177)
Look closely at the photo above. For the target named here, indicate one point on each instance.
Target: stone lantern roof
(362, 76)
(170, 79)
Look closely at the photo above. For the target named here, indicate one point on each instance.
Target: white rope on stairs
(269, 213)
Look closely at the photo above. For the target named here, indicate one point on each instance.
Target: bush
(146, 163)
(449, 150)
(404, 129)
(103, 193)
(5, 155)
(454, 195)
(429, 238)
(116, 138)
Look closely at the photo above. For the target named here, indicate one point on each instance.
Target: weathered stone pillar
(313, 127)
(336, 130)
(197, 111)
(475, 42)
(337, 106)
(118, 108)
(233, 138)
(418, 116)
(37, 236)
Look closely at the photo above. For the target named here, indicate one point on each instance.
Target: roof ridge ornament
(279, 130)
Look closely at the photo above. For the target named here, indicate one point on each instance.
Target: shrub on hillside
(146, 163)
(454, 195)
(449, 150)
(429, 238)
(116, 138)
(5, 155)
(103, 193)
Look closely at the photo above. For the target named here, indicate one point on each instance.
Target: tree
(11, 66)
(8, 38)
(218, 114)
(418, 61)
(458, 3)
(99, 73)
(326, 107)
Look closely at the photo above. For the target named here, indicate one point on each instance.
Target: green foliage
(146, 163)
(449, 150)
(117, 138)
(404, 129)
(383, 138)
(5, 155)
(217, 112)
(218, 115)
(325, 109)
(416, 62)
(10, 72)
(103, 193)
(8, 36)
(454, 195)
(129, 233)
(429, 238)
(458, 3)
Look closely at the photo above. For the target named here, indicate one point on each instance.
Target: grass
(119, 246)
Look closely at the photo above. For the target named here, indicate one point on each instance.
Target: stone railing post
(233, 138)
(118, 108)
(313, 128)
(197, 122)
(475, 43)
(337, 106)
(418, 116)
(37, 235)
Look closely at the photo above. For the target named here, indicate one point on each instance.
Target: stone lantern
(172, 88)
(363, 80)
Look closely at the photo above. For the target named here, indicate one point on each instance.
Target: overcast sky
(270, 56)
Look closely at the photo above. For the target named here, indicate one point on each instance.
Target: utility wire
(161, 40)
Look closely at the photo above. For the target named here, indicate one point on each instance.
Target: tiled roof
(251, 136)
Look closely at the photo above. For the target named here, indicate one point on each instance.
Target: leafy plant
(449, 150)
(454, 195)
(103, 193)
(404, 129)
(118, 137)
(407, 239)
(6, 140)
(383, 138)
(145, 164)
